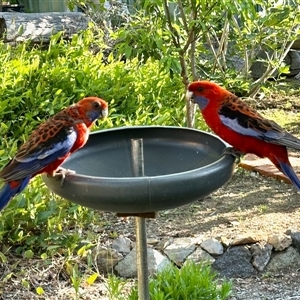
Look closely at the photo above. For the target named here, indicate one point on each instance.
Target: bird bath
(137, 171)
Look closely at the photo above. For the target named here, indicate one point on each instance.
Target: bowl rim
(224, 159)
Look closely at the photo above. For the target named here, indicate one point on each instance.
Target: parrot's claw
(63, 173)
(234, 153)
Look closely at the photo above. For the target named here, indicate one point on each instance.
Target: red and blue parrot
(243, 127)
(50, 145)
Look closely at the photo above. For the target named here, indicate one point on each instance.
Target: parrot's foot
(61, 172)
(234, 153)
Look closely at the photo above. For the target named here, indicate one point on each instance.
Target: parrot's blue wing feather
(7, 192)
(38, 158)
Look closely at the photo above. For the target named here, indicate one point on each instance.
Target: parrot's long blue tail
(10, 189)
(288, 171)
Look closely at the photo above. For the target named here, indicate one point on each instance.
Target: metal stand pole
(140, 225)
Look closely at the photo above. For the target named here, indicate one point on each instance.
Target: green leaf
(3, 257)
(25, 283)
(44, 256)
(28, 254)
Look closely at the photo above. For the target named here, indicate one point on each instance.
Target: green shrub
(192, 281)
(35, 84)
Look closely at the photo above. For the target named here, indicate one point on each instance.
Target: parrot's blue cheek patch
(201, 101)
(93, 115)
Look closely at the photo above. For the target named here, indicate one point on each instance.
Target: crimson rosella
(50, 144)
(243, 127)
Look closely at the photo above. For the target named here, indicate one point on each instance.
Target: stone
(122, 245)
(285, 260)
(156, 262)
(235, 263)
(259, 67)
(261, 254)
(212, 246)
(248, 238)
(197, 239)
(39, 27)
(179, 250)
(225, 241)
(106, 258)
(295, 235)
(152, 241)
(280, 241)
(234, 223)
(293, 60)
(200, 256)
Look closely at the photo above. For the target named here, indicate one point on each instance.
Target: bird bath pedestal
(138, 171)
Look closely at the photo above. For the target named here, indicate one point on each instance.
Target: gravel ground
(255, 203)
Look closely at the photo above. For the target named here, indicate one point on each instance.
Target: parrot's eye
(200, 89)
(96, 104)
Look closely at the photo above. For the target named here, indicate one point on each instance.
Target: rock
(197, 239)
(280, 241)
(39, 27)
(261, 254)
(106, 258)
(259, 67)
(235, 262)
(212, 246)
(248, 238)
(179, 250)
(293, 60)
(285, 260)
(234, 223)
(156, 262)
(295, 235)
(200, 256)
(224, 240)
(152, 241)
(122, 245)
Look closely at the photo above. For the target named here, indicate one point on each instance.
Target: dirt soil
(248, 203)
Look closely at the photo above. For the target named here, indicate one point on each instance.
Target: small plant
(73, 271)
(192, 281)
(115, 287)
(262, 208)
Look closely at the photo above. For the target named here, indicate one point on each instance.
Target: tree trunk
(38, 27)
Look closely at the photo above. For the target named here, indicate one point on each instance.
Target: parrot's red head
(205, 92)
(92, 108)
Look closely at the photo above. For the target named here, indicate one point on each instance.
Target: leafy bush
(216, 40)
(37, 83)
(192, 281)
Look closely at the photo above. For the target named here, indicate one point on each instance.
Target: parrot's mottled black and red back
(50, 144)
(43, 140)
(243, 127)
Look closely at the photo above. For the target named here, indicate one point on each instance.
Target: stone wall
(244, 256)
